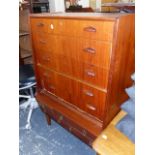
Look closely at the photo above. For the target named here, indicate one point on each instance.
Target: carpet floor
(42, 139)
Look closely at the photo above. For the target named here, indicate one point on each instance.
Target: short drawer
(91, 100)
(46, 42)
(94, 75)
(66, 27)
(45, 25)
(102, 30)
(94, 52)
(39, 25)
(46, 59)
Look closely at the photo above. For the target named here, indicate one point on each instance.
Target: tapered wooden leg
(48, 119)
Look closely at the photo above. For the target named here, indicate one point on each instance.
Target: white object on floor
(31, 103)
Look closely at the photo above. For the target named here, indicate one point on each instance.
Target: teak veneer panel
(83, 63)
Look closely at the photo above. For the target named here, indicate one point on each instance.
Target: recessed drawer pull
(89, 93)
(40, 24)
(90, 29)
(89, 50)
(89, 73)
(91, 107)
(42, 41)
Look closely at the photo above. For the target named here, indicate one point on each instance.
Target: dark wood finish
(48, 119)
(83, 63)
(79, 9)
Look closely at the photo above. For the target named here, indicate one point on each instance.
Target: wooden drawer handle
(89, 50)
(90, 29)
(90, 107)
(42, 41)
(40, 24)
(89, 73)
(88, 93)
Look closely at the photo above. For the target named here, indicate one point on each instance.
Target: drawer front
(91, 100)
(45, 41)
(47, 80)
(46, 59)
(45, 25)
(39, 25)
(94, 52)
(96, 30)
(55, 26)
(71, 126)
(94, 75)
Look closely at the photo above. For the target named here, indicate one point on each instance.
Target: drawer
(46, 59)
(101, 30)
(46, 42)
(45, 25)
(94, 52)
(39, 25)
(91, 100)
(71, 126)
(55, 26)
(47, 80)
(94, 75)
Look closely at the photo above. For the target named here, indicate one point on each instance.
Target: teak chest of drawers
(83, 63)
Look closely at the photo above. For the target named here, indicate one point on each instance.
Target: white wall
(84, 3)
(56, 5)
(98, 5)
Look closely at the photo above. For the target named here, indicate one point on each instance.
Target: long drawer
(87, 98)
(97, 30)
(70, 125)
(55, 26)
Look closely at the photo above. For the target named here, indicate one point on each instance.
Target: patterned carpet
(48, 140)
